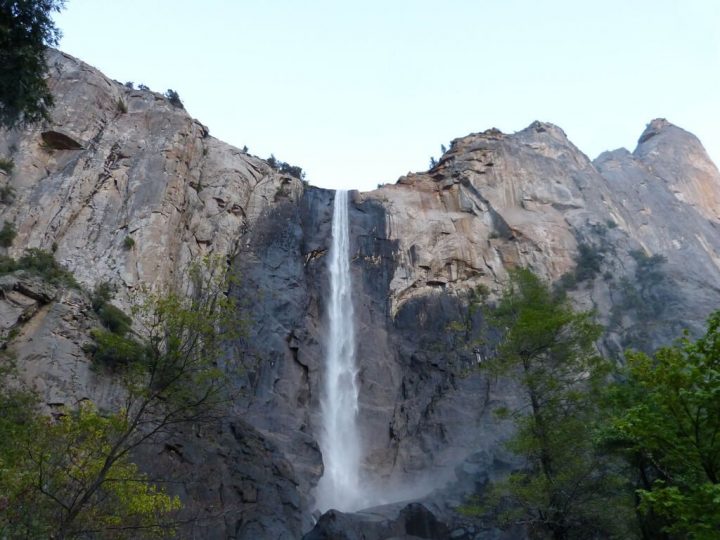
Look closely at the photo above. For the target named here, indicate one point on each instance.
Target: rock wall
(633, 235)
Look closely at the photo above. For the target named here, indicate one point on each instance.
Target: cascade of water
(339, 486)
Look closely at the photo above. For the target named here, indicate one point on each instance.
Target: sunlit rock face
(102, 172)
(117, 163)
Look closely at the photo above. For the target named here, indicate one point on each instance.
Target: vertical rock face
(633, 235)
(118, 163)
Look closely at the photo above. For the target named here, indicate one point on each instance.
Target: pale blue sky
(359, 93)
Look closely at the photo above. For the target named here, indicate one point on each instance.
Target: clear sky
(359, 93)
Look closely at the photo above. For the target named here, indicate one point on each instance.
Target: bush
(7, 165)
(121, 106)
(7, 194)
(588, 262)
(128, 243)
(115, 351)
(7, 264)
(285, 168)
(102, 294)
(174, 98)
(111, 317)
(43, 264)
(7, 234)
(292, 170)
(114, 319)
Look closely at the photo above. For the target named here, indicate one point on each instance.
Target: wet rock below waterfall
(413, 521)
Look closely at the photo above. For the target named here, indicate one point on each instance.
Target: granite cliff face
(634, 235)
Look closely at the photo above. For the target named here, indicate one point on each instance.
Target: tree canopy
(72, 475)
(26, 29)
(668, 426)
(566, 488)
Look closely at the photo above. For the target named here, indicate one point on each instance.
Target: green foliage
(26, 28)
(7, 264)
(128, 243)
(57, 481)
(567, 489)
(587, 265)
(292, 170)
(73, 477)
(7, 165)
(116, 351)
(667, 426)
(7, 234)
(174, 98)
(468, 332)
(285, 168)
(121, 106)
(101, 295)
(7, 194)
(42, 263)
(648, 296)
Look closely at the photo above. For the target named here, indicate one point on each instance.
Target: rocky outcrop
(633, 235)
(118, 163)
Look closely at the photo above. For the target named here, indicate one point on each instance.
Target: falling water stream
(339, 486)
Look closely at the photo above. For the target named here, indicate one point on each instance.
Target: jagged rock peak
(544, 127)
(654, 128)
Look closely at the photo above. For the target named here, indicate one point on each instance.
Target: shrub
(588, 262)
(7, 264)
(121, 106)
(7, 194)
(174, 98)
(292, 170)
(43, 264)
(130, 85)
(7, 165)
(111, 317)
(115, 351)
(7, 234)
(143, 87)
(128, 243)
(102, 294)
(114, 319)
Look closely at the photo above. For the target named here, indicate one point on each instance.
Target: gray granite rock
(97, 175)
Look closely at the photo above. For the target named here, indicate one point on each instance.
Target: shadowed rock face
(98, 175)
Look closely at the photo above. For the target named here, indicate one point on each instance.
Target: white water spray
(339, 486)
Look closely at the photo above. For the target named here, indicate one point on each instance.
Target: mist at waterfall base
(343, 485)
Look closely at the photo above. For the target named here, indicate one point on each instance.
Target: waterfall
(339, 486)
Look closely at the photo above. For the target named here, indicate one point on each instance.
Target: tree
(174, 98)
(668, 426)
(7, 234)
(26, 28)
(566, 489)
(48, 465)
(79, 470)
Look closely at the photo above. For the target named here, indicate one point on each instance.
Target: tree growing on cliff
(668, 427)
(79, 469)
(49, 465)
(566, 488)
(26, 28)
